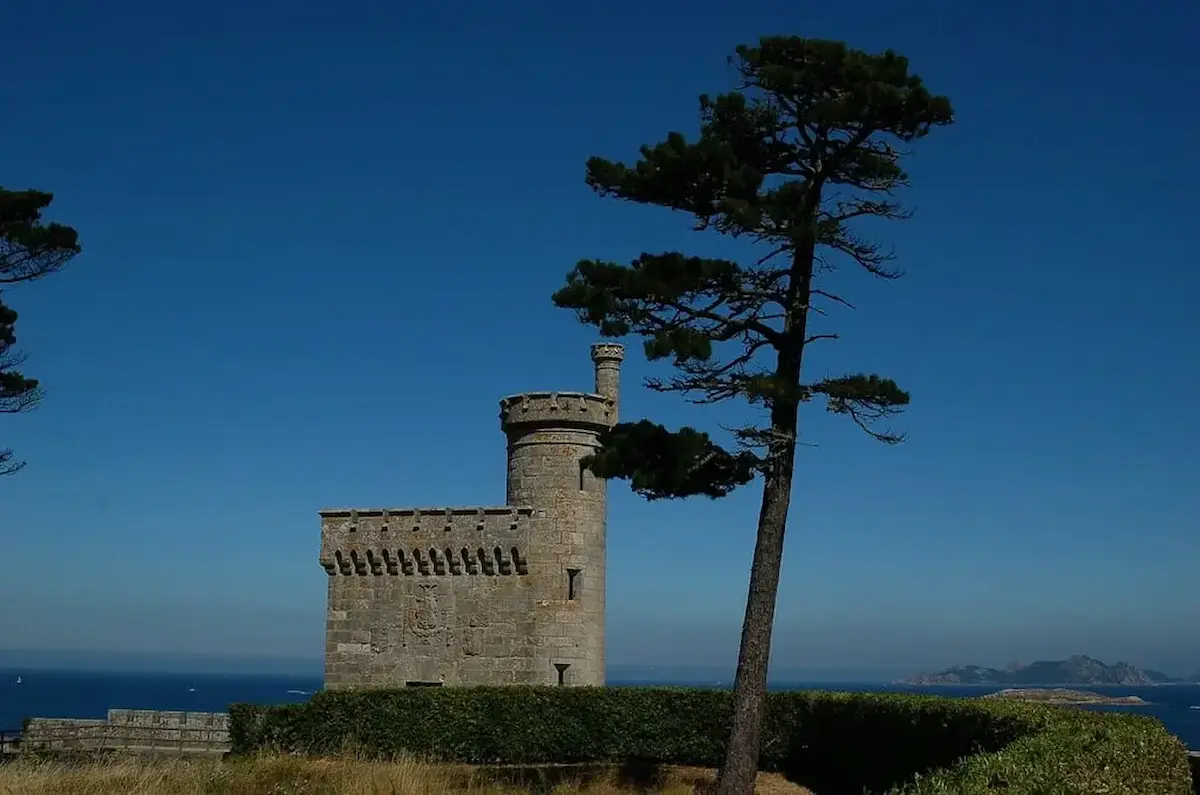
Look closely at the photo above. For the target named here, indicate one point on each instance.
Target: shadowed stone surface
(483, 595)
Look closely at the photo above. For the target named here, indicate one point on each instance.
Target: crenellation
(431, 524)
(563, 410)
(354, 514)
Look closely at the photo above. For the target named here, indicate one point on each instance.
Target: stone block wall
(460, 596)
(436, 596)
(135, 730)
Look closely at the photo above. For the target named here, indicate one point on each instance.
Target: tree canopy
(803, 148)
(29, 250)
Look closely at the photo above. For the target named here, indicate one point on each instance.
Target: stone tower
(548, 436)
(483, 595)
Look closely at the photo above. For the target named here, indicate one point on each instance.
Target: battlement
(558, 409)
(418, 515)
(407, 540)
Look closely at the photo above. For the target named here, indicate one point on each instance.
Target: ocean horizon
(47, 693)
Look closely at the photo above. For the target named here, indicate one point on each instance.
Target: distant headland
(1060, 695)
(1078, 669)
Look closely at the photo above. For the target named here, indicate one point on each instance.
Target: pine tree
(805, 144)
(29, 250)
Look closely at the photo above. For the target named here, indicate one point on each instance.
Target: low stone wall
(136, 730)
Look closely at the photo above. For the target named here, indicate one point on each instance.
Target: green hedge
(831, 742)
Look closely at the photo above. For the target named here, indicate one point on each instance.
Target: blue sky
(320, 241)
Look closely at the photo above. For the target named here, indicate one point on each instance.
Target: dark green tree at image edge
(805, 145)
(29, 250)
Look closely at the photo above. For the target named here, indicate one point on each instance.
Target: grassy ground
(295, 776)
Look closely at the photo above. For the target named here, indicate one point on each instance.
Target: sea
(79, 694)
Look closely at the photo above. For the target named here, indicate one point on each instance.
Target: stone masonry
(135, 730)
(483, 595)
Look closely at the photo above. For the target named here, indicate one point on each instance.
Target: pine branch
(866, 399)
(662, 464)
(30, 249)
(17, 393)
(8, 464)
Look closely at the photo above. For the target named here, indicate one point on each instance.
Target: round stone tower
(549, 434)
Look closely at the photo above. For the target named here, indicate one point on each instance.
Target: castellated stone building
(483, 595)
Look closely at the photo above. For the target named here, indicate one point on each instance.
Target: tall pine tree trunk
(740, 769)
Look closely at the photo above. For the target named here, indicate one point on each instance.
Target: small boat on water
(18, 680)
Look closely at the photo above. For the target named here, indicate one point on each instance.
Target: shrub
(832, 742)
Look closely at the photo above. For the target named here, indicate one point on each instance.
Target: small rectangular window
(562, 672)
(572, 584)
(412, 683)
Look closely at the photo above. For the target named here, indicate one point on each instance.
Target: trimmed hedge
(832, 742)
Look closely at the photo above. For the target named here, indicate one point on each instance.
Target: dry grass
(296, 776)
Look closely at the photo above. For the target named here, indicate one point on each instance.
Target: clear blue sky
(320, 244)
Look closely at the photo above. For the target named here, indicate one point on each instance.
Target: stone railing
(152, 731)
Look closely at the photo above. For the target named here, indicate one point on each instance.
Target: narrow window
(572, 584)
(562, 672)
(412, 683)
(582, 471)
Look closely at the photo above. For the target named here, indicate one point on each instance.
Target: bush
(832, 742)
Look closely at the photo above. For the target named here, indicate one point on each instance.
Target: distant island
(1059, 695)
(1078, 669)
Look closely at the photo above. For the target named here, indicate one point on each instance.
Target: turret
(607, 357)
(549, 434)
